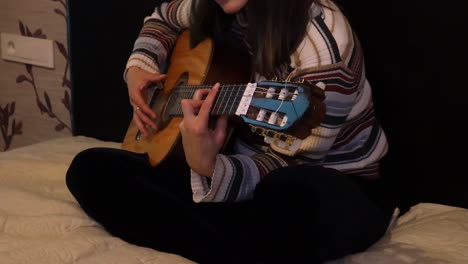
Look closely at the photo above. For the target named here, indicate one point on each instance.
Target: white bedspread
(40, 222)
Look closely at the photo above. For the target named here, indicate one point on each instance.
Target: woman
(263, 203)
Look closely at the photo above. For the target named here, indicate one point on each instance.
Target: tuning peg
(320, 85)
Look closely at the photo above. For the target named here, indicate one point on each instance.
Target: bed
(42, 223)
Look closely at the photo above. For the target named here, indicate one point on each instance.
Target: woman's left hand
(202, 143)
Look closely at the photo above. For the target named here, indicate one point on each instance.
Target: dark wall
(416, 58)
(101, 36)
(416, 62)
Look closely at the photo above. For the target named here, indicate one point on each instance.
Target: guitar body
(200, 65)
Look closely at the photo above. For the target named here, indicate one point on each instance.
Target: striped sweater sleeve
(350, 138)
(158, 35)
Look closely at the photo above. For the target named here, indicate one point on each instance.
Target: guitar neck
(227, 102)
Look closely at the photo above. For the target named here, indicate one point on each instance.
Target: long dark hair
(275, 28)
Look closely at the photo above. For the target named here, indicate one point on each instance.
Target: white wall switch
(27, 50)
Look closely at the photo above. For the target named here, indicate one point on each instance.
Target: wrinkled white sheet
(427, 234)
(41, 223)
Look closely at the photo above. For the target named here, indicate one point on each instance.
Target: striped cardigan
(349, 139)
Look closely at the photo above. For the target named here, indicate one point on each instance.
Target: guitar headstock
(281, 105)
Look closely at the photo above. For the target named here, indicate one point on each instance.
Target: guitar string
(187, 91)
(235, 101)
(185, 94)
(217, 100)
(223, 94)
(230, 94)
(286, 89)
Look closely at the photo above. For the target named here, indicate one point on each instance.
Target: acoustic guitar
(280, 111)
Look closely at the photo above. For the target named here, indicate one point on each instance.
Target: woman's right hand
(138, 81)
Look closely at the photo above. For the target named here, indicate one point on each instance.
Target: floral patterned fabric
(34, 101)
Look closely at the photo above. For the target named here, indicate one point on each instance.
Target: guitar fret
(226, 102)
(233, 102)
(229, 102)
(237, 99)
(220, 101)
(213, 108)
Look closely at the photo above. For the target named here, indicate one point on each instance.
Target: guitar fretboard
(226, 103)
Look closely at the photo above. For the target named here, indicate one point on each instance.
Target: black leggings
(299, 214)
